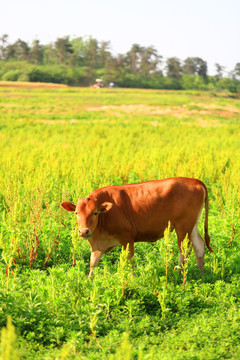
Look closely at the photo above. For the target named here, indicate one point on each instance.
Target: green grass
(60, 144)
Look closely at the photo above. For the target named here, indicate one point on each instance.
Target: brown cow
(125, 214)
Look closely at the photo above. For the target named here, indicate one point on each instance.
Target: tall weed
(8, 342)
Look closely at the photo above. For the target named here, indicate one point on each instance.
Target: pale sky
(209, 29)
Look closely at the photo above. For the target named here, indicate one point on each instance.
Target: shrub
(39, 75)
(11, 75)
(23, 77)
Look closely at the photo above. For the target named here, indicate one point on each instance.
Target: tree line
(79, 61)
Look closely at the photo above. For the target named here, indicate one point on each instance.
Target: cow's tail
(207, 237)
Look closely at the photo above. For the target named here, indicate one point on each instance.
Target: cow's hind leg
(198, 246)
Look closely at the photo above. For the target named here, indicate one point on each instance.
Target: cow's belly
(150, 230)
(148, 236)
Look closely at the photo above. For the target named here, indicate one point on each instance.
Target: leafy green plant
(8, 342)
(186, 250)
(124, 350)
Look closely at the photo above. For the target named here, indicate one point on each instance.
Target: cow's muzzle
(85, 233)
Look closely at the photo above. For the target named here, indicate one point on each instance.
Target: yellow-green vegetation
(59, 144)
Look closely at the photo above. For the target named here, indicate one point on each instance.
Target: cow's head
(87, 211)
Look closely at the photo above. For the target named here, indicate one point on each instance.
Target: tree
(63, 49)
(9, 52)
(48, 54)
(79, 50)
(3, 39)
(104, 53)
(110, 70)
(120, 67)
(219, 70)
(189, 67)
(173, 67)
(121, 60)
(91, 53)
(201, 67)
(22, 50)
(133, 58)
(19, 50)
(36, 52)
(195, 66)
(236, 70)
(149, 60)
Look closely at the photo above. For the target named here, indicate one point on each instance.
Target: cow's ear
(105, 207)
(68, 206)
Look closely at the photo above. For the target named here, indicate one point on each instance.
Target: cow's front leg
(94, 261)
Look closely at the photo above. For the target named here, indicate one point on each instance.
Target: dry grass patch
(177, 111)
(31, 84)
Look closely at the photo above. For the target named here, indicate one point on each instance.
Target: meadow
(59, 144)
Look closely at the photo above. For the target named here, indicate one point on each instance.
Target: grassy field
(59, 144)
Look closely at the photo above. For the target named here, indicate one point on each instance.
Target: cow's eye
(76, 212)
(95, 213)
